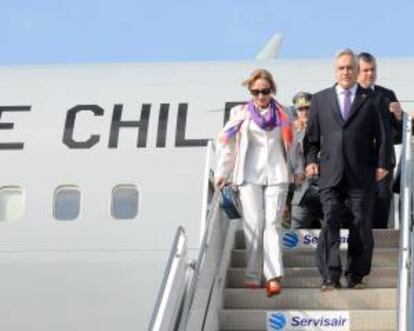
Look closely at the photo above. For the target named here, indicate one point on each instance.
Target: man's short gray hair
(344, 51)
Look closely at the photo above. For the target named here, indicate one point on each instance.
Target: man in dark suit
(348, 128)
(367, 76)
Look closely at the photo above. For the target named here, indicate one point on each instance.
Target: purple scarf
(267, 122)
(274, 117)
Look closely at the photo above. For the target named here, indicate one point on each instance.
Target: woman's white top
(256, 156)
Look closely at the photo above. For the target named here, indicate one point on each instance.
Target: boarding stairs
(372, 308)
(209, 293)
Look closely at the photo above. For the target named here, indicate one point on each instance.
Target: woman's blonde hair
(260, 74)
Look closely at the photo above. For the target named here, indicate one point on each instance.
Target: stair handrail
(162, 319)
(197, 268)
(208, 187)
(178, 253)
(405, 254)
(209, 210)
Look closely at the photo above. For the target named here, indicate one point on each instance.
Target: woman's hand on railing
(220, 182)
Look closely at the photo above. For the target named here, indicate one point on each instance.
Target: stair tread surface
(382, 257)
(304, 277)
(293, 298)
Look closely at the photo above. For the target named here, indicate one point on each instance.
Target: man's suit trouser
(360, 243)
(263, 208)
(383, 196)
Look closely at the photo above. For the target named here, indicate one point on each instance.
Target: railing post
(405, 228)
(206, 197)
(170, 293)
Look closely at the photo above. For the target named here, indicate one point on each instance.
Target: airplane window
(124, 202)
(12, 203)
(67, 203)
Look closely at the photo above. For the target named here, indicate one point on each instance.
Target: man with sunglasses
(367, 76)
(349, 131)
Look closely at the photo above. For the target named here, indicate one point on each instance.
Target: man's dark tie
(347, 104)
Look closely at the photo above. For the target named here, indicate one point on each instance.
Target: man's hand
(395, 108)
(380, 173)
(220, 182)
(299, 178)
(312, 169)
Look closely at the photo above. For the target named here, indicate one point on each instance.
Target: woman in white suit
(252, 148)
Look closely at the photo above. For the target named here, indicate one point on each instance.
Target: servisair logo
(307, 320)
(308, 238)
(290, 239)
(277, 321)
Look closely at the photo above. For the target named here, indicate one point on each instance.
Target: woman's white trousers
(263, 209)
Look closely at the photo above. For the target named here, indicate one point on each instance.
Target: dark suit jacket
(354, 148)
(396, 125)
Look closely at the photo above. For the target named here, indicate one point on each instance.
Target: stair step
(383, 257)
(310, 277)
(361, 320)
(304, 299)
(308, 238)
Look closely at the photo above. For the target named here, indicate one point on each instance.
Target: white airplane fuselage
(95, 127)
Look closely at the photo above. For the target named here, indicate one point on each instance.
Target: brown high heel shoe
(273, 287)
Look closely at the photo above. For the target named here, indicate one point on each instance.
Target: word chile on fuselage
(117, 123)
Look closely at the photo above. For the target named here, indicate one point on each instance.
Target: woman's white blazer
(231, 157)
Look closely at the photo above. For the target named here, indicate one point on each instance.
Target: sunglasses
(265, 91)
(303, 108)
